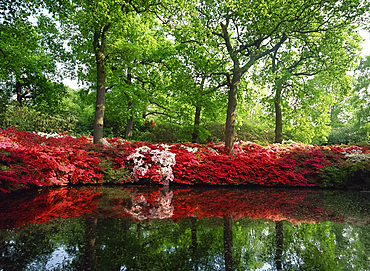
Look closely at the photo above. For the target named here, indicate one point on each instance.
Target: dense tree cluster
(179, 70)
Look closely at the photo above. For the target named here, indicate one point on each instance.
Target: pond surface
(152, 228)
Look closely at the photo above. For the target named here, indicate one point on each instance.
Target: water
(151, 228)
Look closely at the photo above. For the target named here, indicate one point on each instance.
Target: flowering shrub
(141, 166)
(28, 159)
(163, 161)
(356, 155)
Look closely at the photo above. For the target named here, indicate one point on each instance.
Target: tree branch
(156, 113)
(267, 52)
(161, 106)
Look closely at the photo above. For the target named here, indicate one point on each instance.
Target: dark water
(141, 228)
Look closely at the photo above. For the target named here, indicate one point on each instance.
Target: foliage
(247, 33)
(112, 174)
(31, 46)
(164, 132)
(341, 135)
(305, 73)
(334, 176)
(31, 120)
(216, 130)
(167, 61)
(350, 116)
(28, 159)
(81, 104)
(255, 132)
(361, 99)
(209, 132)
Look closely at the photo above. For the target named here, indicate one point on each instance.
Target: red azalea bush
(28, 159)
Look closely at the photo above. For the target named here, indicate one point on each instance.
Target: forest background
(177, 71)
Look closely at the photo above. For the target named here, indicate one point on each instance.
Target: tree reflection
(194, 242)
(279, 231)
(188, 229)
(228, 243)
(90, 241)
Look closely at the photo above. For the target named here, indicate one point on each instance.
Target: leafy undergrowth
(28, 159)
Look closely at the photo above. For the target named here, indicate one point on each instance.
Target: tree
(199, 78)
(30, 48)
(327, 56)
(135, 76)
(94, 24)
(361, 98)
(248, 32)
(350, 115)
(89, 27)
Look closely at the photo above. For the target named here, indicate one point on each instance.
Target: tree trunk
(18, 90)
(130, 119)
(228, 243)
(130, 122)
(278, 115)
(195, 134)
(231, 107)
(100, 102)
(99, 48)
(21, 96)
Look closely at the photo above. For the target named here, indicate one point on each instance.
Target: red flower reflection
(137, 204)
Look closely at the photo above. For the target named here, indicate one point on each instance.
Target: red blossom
(27, 159)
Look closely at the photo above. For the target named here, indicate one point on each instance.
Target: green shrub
(211, 132)
(164, 132)
(28, 119)
(346, 175)
(334, 176)
(348, 134)
(359, 173)
(111, 175)
(255, 132)
(216, 130)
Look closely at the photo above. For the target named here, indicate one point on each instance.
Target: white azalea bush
(356, 156)
(144, 158)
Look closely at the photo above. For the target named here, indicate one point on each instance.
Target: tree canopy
(190, 67)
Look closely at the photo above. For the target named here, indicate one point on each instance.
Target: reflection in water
(279, 229)
(162, 209)
(138, 206)
(140, 228)
(90, 241)
(228, 243)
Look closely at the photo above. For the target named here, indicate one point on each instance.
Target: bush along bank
(29, 160)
